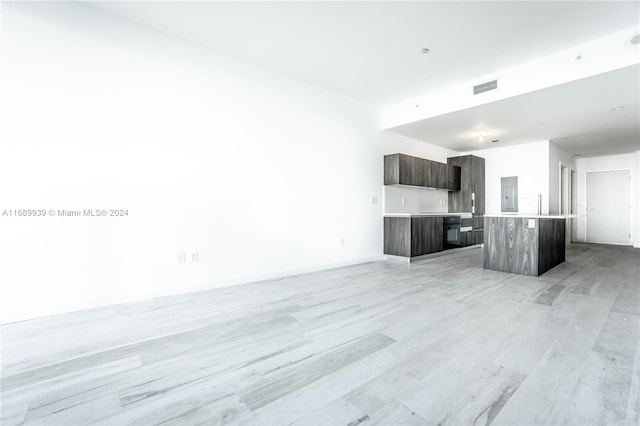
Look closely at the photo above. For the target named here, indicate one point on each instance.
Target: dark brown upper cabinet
(470, 198)
(454, 178)
(401, 169)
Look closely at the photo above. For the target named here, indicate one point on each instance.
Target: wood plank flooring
(436, 342)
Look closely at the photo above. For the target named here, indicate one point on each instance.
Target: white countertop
(422, 214)
(535, 216)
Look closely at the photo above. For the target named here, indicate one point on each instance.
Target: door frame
(586, 199)
(574, 205)
(570, 194)
(571, 198)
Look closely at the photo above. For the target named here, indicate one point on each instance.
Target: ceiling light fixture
(618, 108)
(495, 141)
(579, 58)
(425, 51)
(481, 135)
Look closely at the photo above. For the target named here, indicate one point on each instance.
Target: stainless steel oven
(457, 230)
(451, 231)
(466, 226)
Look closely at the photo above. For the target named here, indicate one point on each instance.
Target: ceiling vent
(485, 87)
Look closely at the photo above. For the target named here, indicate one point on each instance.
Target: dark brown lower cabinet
(397, 236)
(471, 238)
(478, 229)
(426, 235)
(413, 236)
(478, 236)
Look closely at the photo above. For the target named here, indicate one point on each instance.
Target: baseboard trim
(430, 255)
(288, 273)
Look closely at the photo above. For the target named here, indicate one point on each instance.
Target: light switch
(532, 223)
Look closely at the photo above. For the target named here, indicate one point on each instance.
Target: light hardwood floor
(441, 341)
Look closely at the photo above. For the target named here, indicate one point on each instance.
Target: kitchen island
(524, 244)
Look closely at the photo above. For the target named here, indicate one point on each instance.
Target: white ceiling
(370, 51)
(576, 116)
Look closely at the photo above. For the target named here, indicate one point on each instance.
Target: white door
(609, 207)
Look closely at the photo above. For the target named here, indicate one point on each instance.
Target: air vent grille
(485, 87)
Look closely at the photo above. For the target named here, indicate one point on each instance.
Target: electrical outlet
(374, 200)
(403, 201)
(341, 242)
(195, 256)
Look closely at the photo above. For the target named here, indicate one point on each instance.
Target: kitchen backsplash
(416, 200)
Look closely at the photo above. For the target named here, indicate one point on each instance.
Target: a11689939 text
(64, 212)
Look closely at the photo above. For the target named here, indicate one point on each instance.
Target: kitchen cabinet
(453, 180)
(478, 236)
(440, 174)
(401, 169)
(470, 197)
(478, 229)
(478, 221)
(397, 236)
(466, 239)
(426, 235)
(413, 236)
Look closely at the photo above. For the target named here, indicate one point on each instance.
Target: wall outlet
(182, 257)
(403, 201)
(195, 256)
(341, 242)
(374, 200)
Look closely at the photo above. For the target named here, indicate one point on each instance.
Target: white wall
(393, 143)
(607, 163)
(416, 199)
(557, 156)
(260, 174)
(530, 162)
